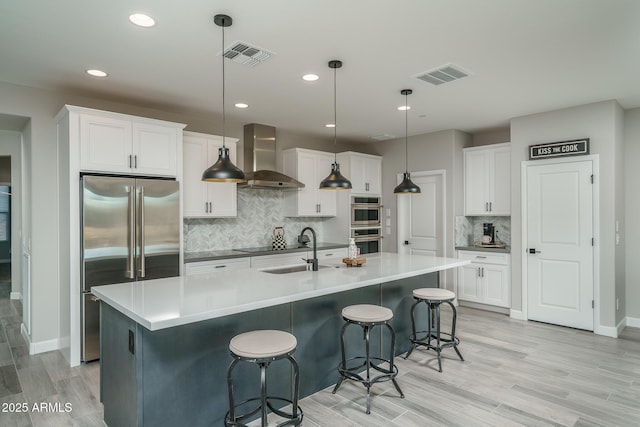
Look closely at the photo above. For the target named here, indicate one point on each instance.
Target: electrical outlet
(617, 304)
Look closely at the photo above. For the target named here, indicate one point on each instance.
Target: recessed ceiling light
(329, 125)
(241, 105)
(404, 107)
(142, 20)
(310, 77)
(96, 73)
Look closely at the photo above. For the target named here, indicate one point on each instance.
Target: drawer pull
(480, 256)
(220, 266)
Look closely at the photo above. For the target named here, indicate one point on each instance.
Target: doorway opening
(5, 227)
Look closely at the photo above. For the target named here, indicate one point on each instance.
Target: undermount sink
(292, 269)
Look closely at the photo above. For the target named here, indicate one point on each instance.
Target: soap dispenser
(353, 249)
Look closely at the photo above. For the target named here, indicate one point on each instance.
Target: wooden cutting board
(354, 262)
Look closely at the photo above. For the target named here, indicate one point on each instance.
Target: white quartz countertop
(164, 303)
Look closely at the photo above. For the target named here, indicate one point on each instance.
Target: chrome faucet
(313, 261)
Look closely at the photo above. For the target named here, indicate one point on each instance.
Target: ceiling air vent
(244, 53)
(443, 74)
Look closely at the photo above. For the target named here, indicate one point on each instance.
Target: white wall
(631, 233)
(601, 123)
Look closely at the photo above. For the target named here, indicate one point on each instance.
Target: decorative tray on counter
(489, 245)
(354, 262)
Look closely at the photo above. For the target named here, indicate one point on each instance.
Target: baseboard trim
(517, 314)
(495, 309)
(40, 346)
(16, 295)
(25, 336)
(620, 326)
(633, 322)
(607, 331)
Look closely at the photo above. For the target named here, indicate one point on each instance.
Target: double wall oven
(366, 224)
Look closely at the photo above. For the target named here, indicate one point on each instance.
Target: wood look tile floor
(515, 373)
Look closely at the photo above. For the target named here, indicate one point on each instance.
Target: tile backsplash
(469, 229)
(259, 212)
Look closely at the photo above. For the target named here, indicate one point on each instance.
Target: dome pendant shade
(223, 170)
(406, 186)
(335, 180)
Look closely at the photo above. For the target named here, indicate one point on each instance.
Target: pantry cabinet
(309, 167)
(117, 143)
(487, 180)
(363, 170)
(206, 199)
(486, 280)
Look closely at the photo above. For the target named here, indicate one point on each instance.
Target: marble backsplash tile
(469, 229)
(259, 212)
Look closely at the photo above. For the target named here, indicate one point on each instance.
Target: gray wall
(427, 152)
(601, 123)
(631, 234)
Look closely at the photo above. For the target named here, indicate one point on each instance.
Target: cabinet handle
(366, 186)
(490, 207)
(220, 266)
(480, 256)
(130, 161)
(486, 206)
(135, 162)
(210, 207)
(482, 269)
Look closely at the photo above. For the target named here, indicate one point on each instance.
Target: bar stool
(263, 347)
(433, 297)
(367, 316)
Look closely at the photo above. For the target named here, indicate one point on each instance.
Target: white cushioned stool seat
(367, 313)
(434, 294)
(263, 344)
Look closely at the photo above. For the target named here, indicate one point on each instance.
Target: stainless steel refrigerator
(130, 231)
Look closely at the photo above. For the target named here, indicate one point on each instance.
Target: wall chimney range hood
(260, 158)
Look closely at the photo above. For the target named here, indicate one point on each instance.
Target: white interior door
(420, 217)
(559, 235)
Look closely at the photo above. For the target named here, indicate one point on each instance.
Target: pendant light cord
(224, 133)
(335, 119)
(406, 132)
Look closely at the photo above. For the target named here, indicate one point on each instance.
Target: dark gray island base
(177, 376)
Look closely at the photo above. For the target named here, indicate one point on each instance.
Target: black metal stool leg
(232, 416)
(453, 329)
(343, 365)
(263, 393)
(438, 348)
(413, 337)
(392, 350)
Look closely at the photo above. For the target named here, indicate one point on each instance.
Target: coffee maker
(489, 231)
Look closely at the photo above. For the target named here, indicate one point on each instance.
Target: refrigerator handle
(142, 272)
(131, 267)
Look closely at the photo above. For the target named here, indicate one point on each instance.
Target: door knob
(406, 242)
(533, 251)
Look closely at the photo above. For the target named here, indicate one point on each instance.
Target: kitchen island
(165, 342)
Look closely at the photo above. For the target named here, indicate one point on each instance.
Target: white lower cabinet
(487, 280)
(217, 265)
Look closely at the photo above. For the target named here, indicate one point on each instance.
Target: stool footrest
(353, 372)
(292, 420)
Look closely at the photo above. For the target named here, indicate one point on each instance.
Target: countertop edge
(232, 253)
(254, 305)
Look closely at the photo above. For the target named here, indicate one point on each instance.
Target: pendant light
(335, 180)
(406, 186)
(223, 170)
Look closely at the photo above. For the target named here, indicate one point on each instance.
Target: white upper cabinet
(363, 170)
(117, 143)
(309, 167)
(206, 199)
(487, 180)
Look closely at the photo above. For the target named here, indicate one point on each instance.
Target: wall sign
(559, 149)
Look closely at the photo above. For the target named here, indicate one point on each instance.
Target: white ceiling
(527, 56)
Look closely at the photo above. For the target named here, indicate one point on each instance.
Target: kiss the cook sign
(559, 149)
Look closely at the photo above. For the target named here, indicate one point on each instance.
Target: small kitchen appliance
(488, 233)
(279, 243)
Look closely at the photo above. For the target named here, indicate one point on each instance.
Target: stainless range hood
(260, 158)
